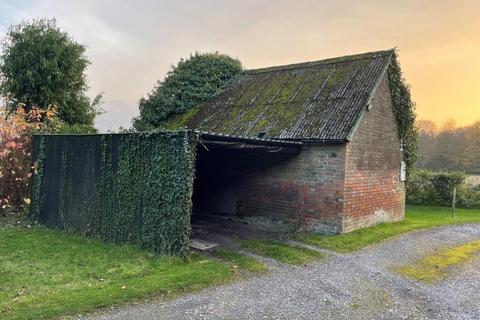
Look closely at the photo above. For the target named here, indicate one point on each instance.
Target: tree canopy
(449, 148)
(188, 84)
(42, 65)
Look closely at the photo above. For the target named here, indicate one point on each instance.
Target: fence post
(454, 199)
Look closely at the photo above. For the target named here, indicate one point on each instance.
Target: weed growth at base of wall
(132, 188)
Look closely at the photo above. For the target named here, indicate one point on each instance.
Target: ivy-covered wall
(126, 188)
(404, 109)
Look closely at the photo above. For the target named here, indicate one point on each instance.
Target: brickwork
(373, 190)
(306, 190)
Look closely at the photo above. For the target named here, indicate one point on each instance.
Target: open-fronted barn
(314, 144)
(348, 173)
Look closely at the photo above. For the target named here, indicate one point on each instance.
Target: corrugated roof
(321, 100)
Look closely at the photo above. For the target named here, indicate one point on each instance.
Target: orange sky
(438, 43)
(131, 44)
(444, 68)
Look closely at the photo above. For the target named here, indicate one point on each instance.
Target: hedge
(126, 188)
(426, 187)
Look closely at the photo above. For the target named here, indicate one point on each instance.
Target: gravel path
(344, 286)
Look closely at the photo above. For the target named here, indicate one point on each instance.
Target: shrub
(420, 189)
(444, 183)
(468, 197)
(76, 129)
(16, 165)
(188, 84)
(427, 187)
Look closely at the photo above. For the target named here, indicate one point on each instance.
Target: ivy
(191, 82)
(125, 188)
(62, 185)
(404, 109)
(37, 178)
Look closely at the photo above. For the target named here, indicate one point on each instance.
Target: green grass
(47, 273)
(436, 266)
(241, 261)
(281, 252)
(416, 217)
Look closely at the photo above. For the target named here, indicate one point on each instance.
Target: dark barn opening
(223, 165)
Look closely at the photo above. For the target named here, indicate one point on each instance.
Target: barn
(315, 144)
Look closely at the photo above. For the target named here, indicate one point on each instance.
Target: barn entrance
(225, 167)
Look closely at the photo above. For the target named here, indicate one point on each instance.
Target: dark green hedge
(133, 188)
(426, 187)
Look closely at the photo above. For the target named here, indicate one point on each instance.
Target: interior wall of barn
(307, 191)
(219, 174)
(304, 189)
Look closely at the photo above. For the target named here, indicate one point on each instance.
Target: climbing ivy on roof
(404, 109)
(125, 188)
(188, 84)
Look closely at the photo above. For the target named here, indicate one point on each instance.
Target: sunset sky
(132, 44)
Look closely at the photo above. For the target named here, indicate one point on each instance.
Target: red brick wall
(306, 190)
(373, 190)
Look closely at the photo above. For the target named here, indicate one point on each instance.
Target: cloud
(119, 114)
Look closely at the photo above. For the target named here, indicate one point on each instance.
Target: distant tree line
(450, 147)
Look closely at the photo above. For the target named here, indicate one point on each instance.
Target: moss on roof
(314, 100)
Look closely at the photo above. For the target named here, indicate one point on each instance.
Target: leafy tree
(42, 65)
(472, 147)
(427, 126)
(188, 84)
(449, 148)
(427, 130)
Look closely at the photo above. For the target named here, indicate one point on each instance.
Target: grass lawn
(416, 217)
(46, 273)
(241, 261)
(281, 252)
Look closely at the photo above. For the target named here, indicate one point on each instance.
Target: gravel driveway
(359, 285)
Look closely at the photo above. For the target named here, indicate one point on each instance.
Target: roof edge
(370, 98)
(47, 134)
(308, 64)
(227, 137)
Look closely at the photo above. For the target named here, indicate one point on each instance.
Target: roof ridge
(308, 64)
